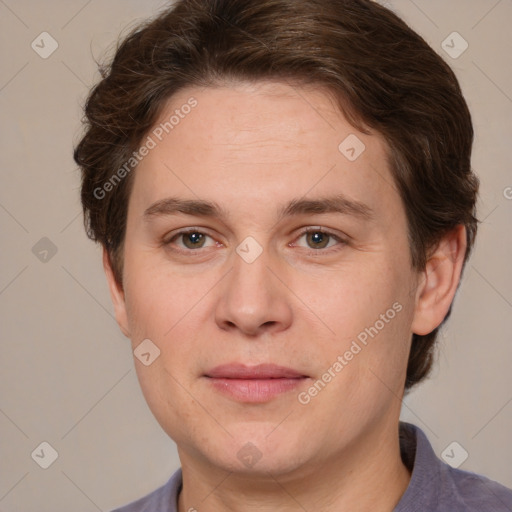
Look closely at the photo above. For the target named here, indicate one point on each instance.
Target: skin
(252, 148)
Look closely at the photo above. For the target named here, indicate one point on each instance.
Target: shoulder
(163, 499)
(438, 487)
(475, 493)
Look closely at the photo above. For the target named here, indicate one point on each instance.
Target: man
(284, 196)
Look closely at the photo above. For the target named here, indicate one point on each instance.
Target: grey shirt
(434, 486)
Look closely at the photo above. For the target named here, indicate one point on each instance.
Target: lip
(254, 384)
(260, 371)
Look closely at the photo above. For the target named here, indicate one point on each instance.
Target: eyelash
(341, 241)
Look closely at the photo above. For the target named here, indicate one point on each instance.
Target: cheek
(370, 312)
(155, 300)
(175, 313)
(353, 298)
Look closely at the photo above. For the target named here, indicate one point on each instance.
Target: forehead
(267, 141)
(250, 116)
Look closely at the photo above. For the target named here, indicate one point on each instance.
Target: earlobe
(116, 294)
(439, 282)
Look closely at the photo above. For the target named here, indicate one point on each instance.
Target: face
(270, 267)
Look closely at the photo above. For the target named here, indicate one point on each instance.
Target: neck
(367, 476)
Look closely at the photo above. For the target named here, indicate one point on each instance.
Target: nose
(253, 298)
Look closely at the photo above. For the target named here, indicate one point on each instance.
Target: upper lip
(260, 371)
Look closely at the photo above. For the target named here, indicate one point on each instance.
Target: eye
(317, 238)
(191, 239)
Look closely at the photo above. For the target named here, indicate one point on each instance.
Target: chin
(259, 450)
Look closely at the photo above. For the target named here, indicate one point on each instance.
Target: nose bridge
(250, 281)
(250, 268)
(252, 298)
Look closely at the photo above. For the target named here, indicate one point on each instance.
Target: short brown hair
(384, 76)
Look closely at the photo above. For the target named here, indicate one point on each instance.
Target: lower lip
(255, 390)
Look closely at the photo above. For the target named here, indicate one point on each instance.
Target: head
(259, 119)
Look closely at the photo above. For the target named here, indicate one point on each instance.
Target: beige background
(66, 372)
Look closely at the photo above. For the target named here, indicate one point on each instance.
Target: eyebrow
(198, 207)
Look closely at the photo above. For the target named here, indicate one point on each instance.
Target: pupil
(195, 237)
(318, 238)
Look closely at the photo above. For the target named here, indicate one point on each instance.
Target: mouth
(254, 384)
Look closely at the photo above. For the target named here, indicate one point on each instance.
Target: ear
(439, 282)
(116, 294)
